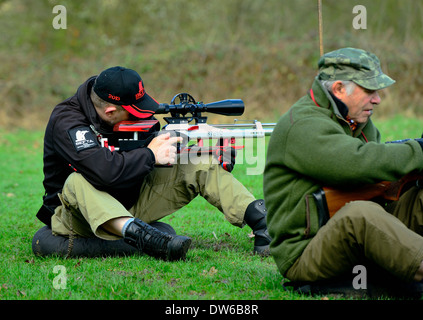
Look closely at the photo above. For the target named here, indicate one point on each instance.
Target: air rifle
(184, 110)
(329, 200)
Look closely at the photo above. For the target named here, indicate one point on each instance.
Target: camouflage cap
(356, 65)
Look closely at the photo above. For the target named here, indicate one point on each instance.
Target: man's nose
(375, 98)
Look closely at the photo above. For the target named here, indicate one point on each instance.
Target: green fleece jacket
(313, 146)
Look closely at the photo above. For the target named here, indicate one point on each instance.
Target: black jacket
(70, 144)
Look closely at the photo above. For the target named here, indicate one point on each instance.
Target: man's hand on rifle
(164, 149)
(226, 157)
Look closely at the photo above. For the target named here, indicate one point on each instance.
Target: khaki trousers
(165, 190)
(365, 231)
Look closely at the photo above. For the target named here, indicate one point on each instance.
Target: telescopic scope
(228, 107)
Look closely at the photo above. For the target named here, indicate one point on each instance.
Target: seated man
(327, 139)
(93, 194)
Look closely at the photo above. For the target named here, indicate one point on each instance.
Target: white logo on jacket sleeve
(80, 135)
(82, 138)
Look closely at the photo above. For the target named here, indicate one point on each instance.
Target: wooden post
(319, 7)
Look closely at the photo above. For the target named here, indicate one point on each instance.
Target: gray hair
(349, 85)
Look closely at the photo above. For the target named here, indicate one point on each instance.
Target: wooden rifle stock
(389, 190)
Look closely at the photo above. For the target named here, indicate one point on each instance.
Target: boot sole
(263, 251)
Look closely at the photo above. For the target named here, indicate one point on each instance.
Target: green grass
(219, 266)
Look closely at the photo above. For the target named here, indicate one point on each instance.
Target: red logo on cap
(114, 97)
(141, 93)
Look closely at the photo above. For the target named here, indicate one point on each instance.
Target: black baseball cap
(122, 86)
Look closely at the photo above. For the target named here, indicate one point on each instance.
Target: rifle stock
(388, 190)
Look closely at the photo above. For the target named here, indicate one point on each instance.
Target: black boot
(156, 243)
(255, 217)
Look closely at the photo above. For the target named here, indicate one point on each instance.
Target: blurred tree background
(264, 52)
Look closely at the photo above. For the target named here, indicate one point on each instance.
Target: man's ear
(109, 110)
(338, 89)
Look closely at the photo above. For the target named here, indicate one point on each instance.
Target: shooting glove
(226, 157)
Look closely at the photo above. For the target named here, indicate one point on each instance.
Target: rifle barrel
(267, 127)
(222, 134)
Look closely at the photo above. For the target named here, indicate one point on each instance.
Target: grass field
(219, 266)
